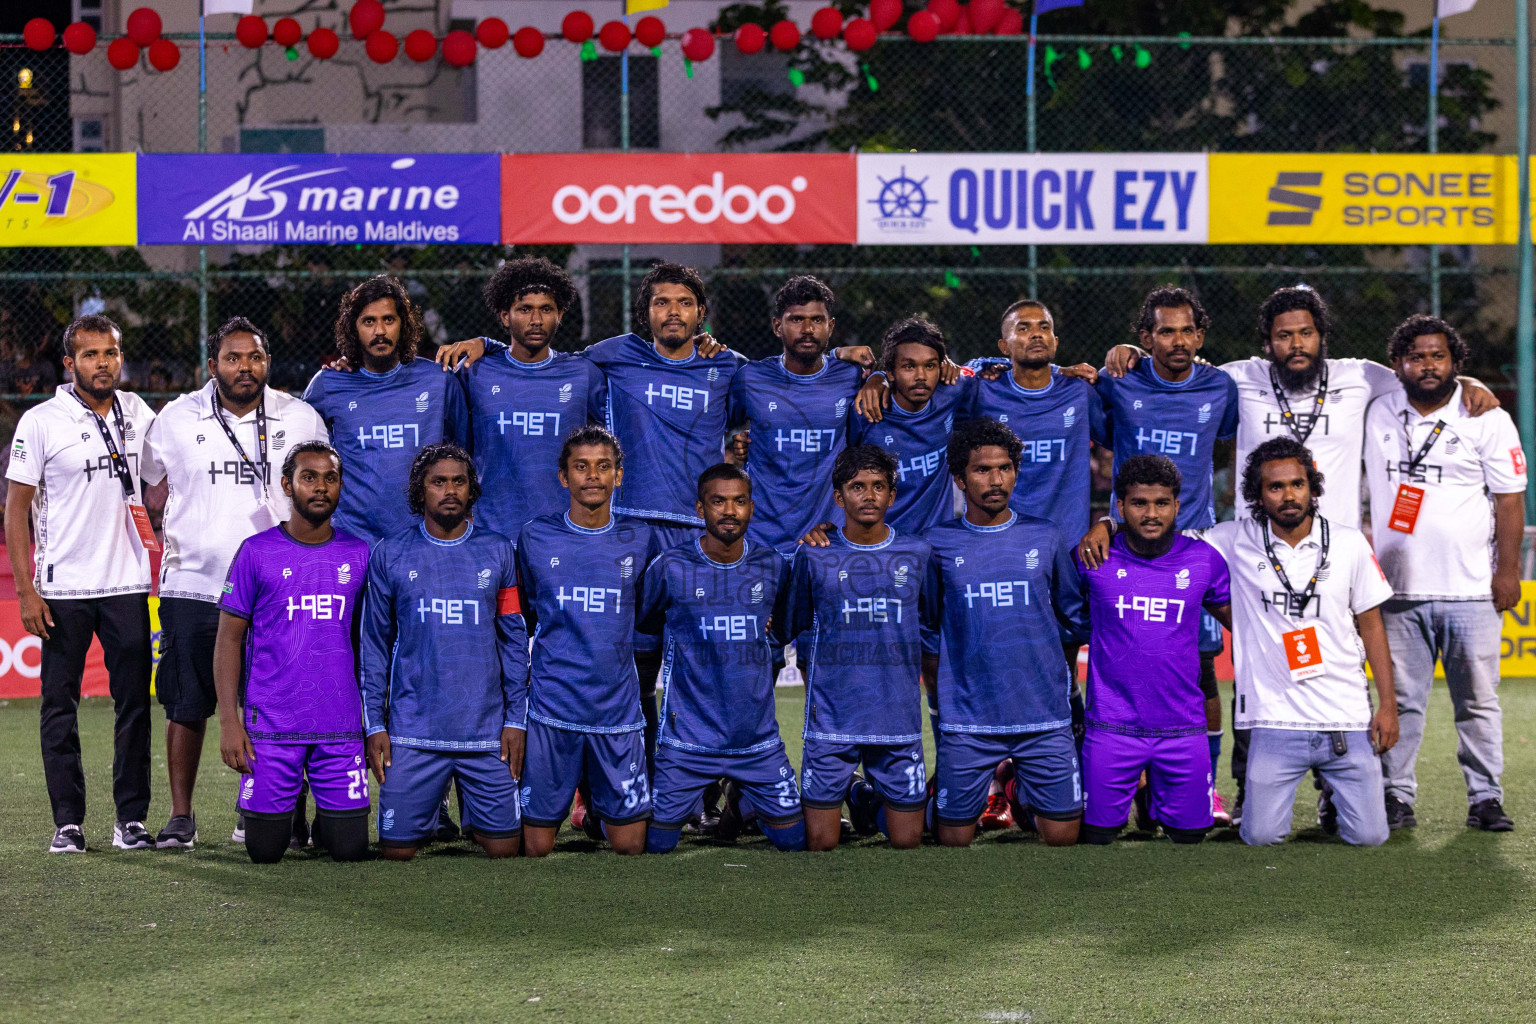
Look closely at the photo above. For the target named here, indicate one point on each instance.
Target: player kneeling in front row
(1000, 598)
(581, 573)
(290, 602)
(444, 666)
(853, 603)
(714, 600)
(1146, 711)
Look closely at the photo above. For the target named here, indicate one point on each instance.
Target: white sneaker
(238, 835)
(67, 839)
(132, 835)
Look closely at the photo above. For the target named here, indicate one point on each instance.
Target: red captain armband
(508, 602)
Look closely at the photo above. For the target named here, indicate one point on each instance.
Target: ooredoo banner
(678, 197)
(67, 199)
(21, 656)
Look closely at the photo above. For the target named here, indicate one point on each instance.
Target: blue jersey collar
(1172, 385)
(363, 371)
(1032, 392)
(548, 360)
(746, 549)
(583, 529)
(999, 528)
(889, 537)
(469, 530)
(806, 378)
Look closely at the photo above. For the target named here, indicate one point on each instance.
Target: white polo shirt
(86, 544)
(216, 499)
(1266, 634)
(1449, 555)
(1336, 433)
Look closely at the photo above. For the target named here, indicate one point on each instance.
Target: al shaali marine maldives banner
(319, 198)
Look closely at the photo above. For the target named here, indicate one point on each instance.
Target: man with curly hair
(388, 408)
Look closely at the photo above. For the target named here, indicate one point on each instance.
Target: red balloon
(884, 13)
(614, 36)
(963, 24)
(251, 31)
(492, 33)
(985, 14)
(649, 32)
(750, 38)
(860, 34)
(164, 54)
(38, 34)
(947, 11)
(577, 27)
(421, 46)
(287, 32)
(923, 26)
(382, 47)
(785, 35)
(79, 38)
(528, 42)
(698, 44)
(323, 43)
(1011, 23)
(827, 23)
(143, 26)
(122, 53)
(366, 18)
(459, 48)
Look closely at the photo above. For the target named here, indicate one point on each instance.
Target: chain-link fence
(958, 94)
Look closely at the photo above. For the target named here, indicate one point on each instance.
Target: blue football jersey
(717, 664)
(1058, 425)
(856, 610)
(1148, 415)
(520, 414)
(580, 593)
(444, 648)
(378, 422)
(998, 601)
(670, 416)
(919, 441)
(799, 424)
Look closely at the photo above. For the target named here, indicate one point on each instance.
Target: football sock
(786, 837)
(266, 839)
(346, 836)
(1214, 736)
(661, 839)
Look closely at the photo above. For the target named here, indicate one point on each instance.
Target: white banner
(1019, 198)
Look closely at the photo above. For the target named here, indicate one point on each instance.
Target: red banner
(21, 658)
(790, 198)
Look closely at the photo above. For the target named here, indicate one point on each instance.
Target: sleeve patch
(1517, 459)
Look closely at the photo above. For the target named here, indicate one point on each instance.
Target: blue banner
(319, 198)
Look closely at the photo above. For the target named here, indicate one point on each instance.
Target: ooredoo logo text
(670, 204)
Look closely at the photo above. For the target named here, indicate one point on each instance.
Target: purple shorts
(1178, 771)
(337, 774)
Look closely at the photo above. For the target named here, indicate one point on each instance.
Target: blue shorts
(1045, 771)
(767, 781)
(895, 770)
(413, 790)
(613, 765)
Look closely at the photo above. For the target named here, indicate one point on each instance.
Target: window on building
(601, 81)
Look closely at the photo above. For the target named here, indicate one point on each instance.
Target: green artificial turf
(1437, 925)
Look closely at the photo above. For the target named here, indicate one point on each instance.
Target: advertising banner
(1364, 198)
(678, 197)
(21, 656)
(318, 198)
(1019, 198)
(68, 199)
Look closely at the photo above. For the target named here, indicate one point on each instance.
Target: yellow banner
(68, 199)
(1363, 199)
(1517, 650)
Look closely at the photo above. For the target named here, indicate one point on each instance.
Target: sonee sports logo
(1304, 204)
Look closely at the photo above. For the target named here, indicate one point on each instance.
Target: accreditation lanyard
(1429, 442)
(1288, 417)
(1410, 499)
(261, 436)
(138, 518)
(1298, 602)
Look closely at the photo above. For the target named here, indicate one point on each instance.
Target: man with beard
(285, 665)
(1442, 484)
(444, 666)
(1306, 601)
(75, 468)
(212, 450)
(715, 600)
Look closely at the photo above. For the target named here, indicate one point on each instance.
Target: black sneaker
(1489, 816)
(729, 825)
(447, 831)
(67, 839)
(300, 837)
(1237, 807)
(1327, 814)
(132, 835)
(180, 833)
(1400, 815)
(863, 806)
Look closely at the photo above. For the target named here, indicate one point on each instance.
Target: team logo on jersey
(495, 389)
(483, 580)
(1205, 413)
(200, 439)
(949, 423)
(959, 561)
(1322, 573)
(344, 573)
(85, 437)
(387, 819)
(841, 409)
(421, 401)
(247, 787)
(564, 393)
(279, 439)
(626, 567)
(351, 407)
(1336, 396)
(900, 575)
(1069, 417)
(1032, 558)
(773, 406)
(1181, 580)
(757, 592)
(714, 373)
(1451, 445)
(1136, 404)
(1120, 574)
(287, 573)
(889, 440)
(554, 562)
(411, 575)
(128, 432)
(527, 794)
(698, 592)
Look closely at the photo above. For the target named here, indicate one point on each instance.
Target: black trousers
(122, 624)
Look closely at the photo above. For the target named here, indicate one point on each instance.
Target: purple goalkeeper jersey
(1144, 644)
(300, 659)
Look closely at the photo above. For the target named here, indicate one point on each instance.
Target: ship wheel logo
(903, 198)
